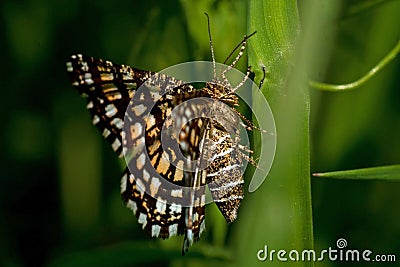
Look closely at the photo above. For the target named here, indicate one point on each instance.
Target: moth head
(222, 93)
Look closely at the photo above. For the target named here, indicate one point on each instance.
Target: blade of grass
(385, 173)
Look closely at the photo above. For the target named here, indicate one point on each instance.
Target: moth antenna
(242, 46)
(211, 46)
(238, 45)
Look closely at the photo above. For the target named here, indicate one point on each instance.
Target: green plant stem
(279, 213)
(353, 85)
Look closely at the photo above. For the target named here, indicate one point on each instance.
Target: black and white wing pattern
(166, 197)
(108, 89)
(225, 173)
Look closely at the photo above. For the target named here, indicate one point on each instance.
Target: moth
(153, 169)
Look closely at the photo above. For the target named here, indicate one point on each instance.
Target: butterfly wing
(225, 173)
(108, 88)
(167, 198)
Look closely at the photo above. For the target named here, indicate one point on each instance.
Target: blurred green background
(59, 188)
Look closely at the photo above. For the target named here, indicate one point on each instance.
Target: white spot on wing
(117, 122)
(146, 175)
(227, 168)
(154, 185)
(173, 229)
(150, 121)
(203, 200)
(88, 78)
(155, 230)
(177, 193)
(161, 206)
(132, 205)
(188, 113)
(140, 161)
(95, 120)
(116, 144)
(69, 67)
(89, 105)
(195, 217)
(84, 65)
(139, 109)
(189, 238)
(222, 154)
(136, 130)
(175, 208)
(142, 219)
(202, 226)
(111, 110)
(106, 132)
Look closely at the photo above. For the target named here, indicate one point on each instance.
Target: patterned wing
(108, 88)
(225, 173)
(167, 199)
(225, 157)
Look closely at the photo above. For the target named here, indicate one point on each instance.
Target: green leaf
(384, 173)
